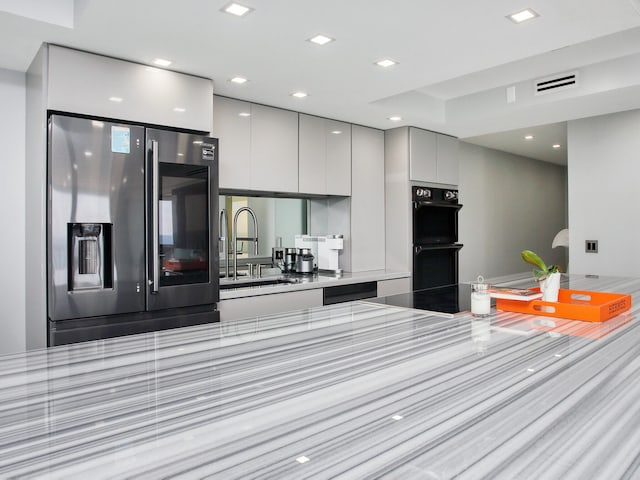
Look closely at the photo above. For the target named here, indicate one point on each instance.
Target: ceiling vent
(561, 81)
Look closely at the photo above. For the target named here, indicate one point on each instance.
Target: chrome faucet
(224, 238)
(248, 239)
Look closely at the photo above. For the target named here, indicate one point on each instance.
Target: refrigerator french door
(132, 241)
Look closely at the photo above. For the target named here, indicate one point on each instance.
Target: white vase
(550, 287)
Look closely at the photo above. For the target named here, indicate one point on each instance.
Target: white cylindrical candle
(480, 303)
(480, 298)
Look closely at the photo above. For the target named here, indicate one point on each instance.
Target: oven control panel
(429, 194)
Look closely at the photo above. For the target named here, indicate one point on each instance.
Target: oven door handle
(448, 246)
(426, 203)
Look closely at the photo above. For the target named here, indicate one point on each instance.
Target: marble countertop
(306, 282)
(353, 390)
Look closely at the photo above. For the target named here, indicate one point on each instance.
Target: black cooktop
(449, 299)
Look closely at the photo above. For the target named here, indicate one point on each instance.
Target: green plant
(542, 270)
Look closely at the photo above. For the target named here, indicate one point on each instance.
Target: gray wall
(511, 203)
(12, 213)
(604, 199)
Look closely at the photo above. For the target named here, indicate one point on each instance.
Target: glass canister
(480, 298)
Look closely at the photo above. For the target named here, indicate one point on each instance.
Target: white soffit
(56, 12)
(539, 147)
(623, 43)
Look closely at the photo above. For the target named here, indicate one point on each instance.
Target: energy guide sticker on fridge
(120, 140)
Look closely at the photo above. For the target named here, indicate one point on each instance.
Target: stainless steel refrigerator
(132, 235)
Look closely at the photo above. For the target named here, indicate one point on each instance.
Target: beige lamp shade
(561, 239)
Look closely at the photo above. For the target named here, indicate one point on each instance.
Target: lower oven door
(435, 265)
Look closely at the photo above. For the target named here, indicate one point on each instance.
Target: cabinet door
(86, 83)
(232, 128)
(274, 149)
(422, 155)
(367, 200)
(338, 158)
(447, 154)
(312, 159)
(262, 305)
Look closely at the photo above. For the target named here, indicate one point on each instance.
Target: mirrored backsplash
(279, 220)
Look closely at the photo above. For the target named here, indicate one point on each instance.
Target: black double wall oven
(435, 237)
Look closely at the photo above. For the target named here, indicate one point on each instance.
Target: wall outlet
(591, 246)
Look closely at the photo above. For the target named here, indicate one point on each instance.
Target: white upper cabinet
(433, 157)
(422, 155)
(258, 146)
(89, 84)
(232, 128)
(324, 156)
(448, 163)
(312, 155)
(338, 164)
(274, 149)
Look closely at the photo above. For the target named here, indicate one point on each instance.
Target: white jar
(480, 298)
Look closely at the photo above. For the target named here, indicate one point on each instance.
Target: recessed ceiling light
(395, 118)
(337, 132)
(239, 80)
(386, 63)
(528, 137)
(522, 15)
(244, 114)
(97, 123)
(115, 99)
(236, 9)
(161, 62)
(179, 109)
(321, 39)
(556, 145)
(299, 94)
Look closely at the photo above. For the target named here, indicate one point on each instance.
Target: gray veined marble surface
(349, 391)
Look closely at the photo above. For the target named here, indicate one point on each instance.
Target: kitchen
(506, 185)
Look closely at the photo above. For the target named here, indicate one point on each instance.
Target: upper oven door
(182, 201)
(435, 223)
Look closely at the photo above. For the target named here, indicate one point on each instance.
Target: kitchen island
(355, 390)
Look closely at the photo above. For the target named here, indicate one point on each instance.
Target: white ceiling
(456, 59)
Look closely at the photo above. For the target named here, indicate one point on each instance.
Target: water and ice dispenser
(90, 260)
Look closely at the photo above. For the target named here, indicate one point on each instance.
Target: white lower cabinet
(261, 305)
(394, 286)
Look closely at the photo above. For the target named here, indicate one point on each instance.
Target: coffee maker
(329, 248)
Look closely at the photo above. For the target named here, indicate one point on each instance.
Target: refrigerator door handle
(155, 227)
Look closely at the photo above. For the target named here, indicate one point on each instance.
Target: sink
(258, 282)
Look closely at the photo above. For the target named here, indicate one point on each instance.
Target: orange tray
(573, 304)
(576, 328)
